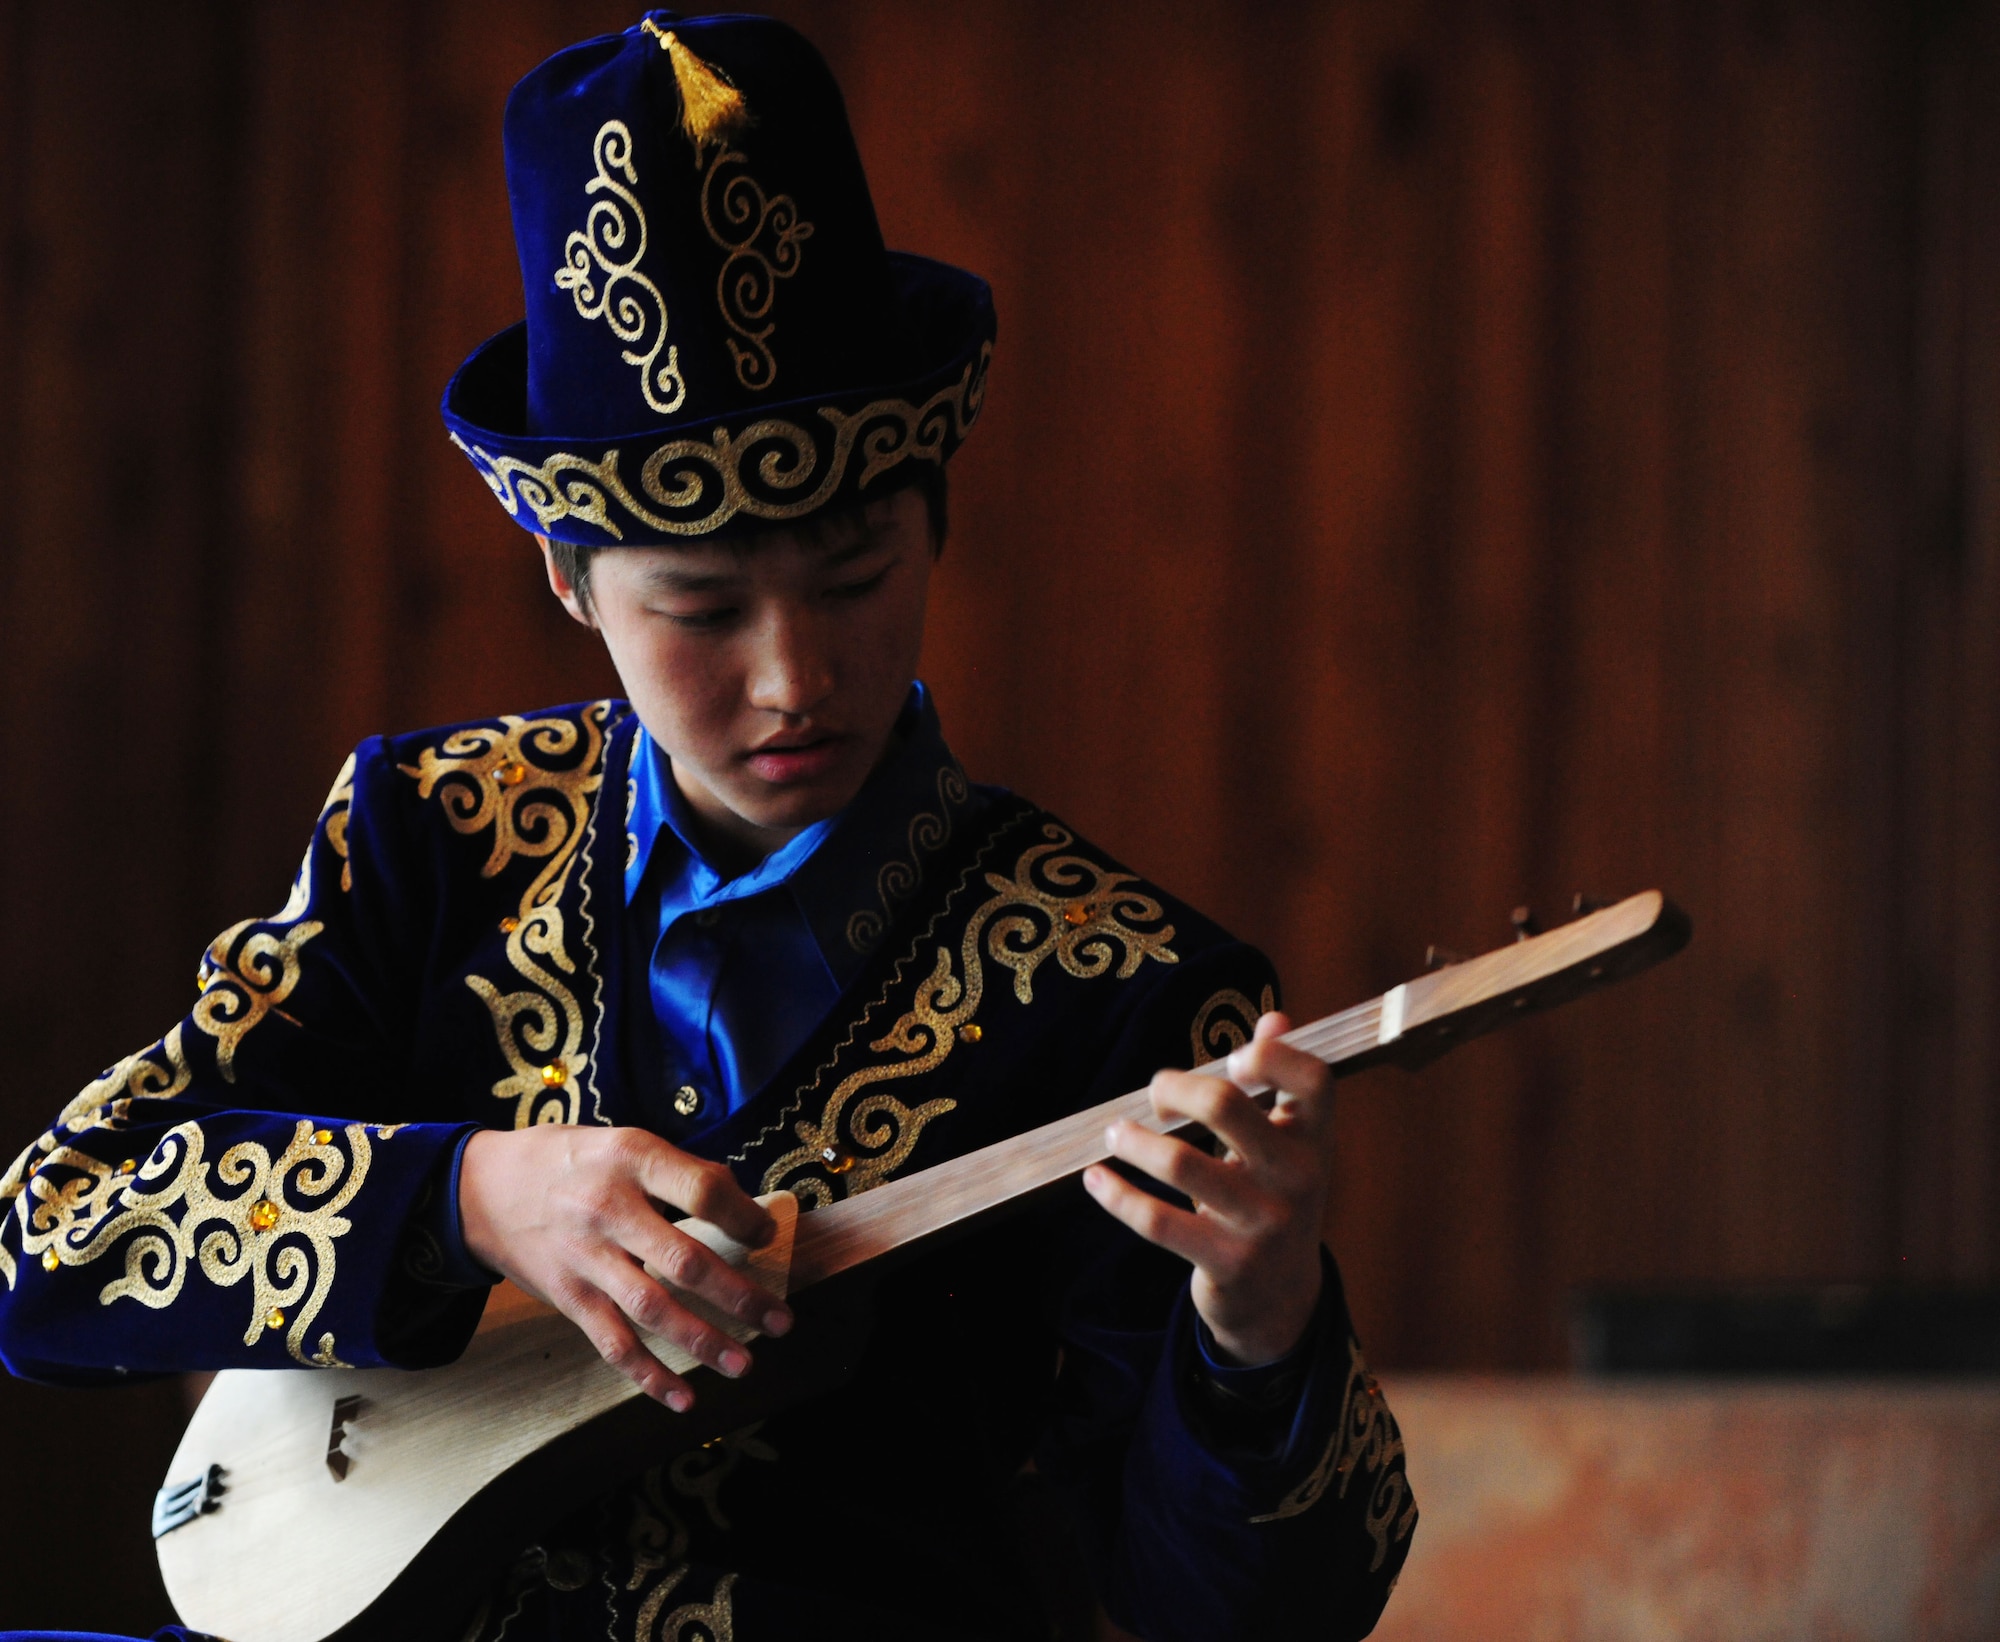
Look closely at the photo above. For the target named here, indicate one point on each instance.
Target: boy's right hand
(572, 1215)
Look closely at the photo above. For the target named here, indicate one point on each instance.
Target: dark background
(1438, 456)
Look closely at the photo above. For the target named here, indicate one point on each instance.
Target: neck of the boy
(730, 843)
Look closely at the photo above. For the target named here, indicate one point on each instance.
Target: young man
(547, 982)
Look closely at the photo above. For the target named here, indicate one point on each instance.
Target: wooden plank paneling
(1438, 456)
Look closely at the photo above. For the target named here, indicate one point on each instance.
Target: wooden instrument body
(331, 1479)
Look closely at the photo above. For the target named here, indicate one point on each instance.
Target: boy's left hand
(1254, 1231)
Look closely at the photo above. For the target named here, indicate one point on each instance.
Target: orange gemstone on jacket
(511, 775)
(838, 1159)
(1077, 914)
(274, 1318)
(49, 1260)
(555, 1074)
(263, 1216)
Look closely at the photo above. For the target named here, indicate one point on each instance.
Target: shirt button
(687, 1100)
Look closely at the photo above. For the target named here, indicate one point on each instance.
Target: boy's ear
(563, 588)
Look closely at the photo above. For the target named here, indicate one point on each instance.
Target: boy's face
(772, 675)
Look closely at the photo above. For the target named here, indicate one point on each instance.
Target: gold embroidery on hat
(738, 214)
(597, 246)
(781, 455)
(712, 110)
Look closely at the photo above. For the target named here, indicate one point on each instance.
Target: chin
(794, 807)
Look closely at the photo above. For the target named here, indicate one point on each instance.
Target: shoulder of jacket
(544, 737)
(1044, 852)
(523, 785)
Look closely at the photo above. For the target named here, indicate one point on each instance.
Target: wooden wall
(1439, 456)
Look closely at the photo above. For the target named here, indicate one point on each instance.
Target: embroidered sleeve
(231, 1195)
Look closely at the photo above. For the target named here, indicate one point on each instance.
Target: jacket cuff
(1249, 1410)
(436, 1254)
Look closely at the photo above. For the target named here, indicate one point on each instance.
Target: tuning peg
(1582, 905)
(1441, 957)
(1525, 923)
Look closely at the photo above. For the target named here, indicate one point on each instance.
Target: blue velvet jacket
(251, 1191)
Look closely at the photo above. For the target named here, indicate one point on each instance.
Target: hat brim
(730, 475)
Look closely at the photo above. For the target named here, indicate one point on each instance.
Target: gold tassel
(712, 110)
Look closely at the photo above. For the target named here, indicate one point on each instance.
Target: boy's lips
(789, 762)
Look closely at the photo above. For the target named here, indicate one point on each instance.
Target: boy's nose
(793, 673)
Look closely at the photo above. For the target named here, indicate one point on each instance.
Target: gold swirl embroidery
(498, 778)
(1063, 906)
(656, 1539)
(700, 1473)
(333, 820)
(898, 880)
(1226, 1023)
(596, 248)
(710, 1621)
(860, 1022)
(1366, 1439)
(268, 1229)
(655, 1534)
(247, 972)
(488, 777)
(105, 1103)
(704, 480)
(1082, 913)
(587, 851)
(747, 284)
(252, 967)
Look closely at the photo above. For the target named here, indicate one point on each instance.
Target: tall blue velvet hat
(716, 340)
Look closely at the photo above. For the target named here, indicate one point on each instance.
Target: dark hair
(820, 528)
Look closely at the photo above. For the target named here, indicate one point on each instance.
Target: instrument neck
(899, 1213)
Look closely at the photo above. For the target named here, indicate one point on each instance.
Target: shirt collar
(844, 872)
(660, 817)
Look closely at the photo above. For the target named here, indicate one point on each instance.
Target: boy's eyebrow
(667, 578)
(859, 548)
(661, 577)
